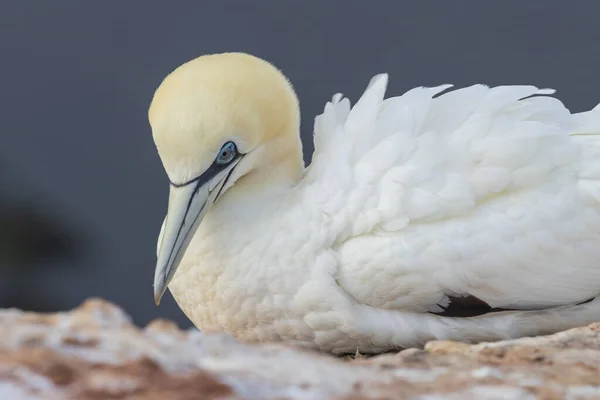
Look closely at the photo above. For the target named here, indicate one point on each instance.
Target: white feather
(480, 191)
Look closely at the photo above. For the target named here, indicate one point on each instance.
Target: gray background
(77, 77)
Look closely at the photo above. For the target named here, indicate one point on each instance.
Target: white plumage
(411, 203)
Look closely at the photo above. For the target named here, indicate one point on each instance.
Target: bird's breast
(249, 285)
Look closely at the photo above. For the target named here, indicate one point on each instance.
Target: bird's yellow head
(216, 120)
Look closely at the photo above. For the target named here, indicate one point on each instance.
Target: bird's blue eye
(226, 154)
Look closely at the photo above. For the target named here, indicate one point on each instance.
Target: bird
(469, 214)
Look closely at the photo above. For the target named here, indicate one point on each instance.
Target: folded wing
(484, 193)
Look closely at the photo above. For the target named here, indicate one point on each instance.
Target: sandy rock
(95, 352)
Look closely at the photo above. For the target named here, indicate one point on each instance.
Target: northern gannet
(471, 215)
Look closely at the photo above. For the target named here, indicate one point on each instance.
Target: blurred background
(82, 190)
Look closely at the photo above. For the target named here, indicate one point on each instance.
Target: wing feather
(433, 194)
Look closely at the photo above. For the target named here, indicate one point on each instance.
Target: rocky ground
(94, 352)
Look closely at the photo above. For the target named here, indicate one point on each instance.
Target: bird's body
(410, 206)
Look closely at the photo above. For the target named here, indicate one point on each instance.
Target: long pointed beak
(188, 205)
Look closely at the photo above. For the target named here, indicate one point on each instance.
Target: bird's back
(487, 193)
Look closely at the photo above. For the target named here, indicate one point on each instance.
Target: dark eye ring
(227, 153)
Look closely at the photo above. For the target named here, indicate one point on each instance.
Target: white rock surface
(95, 352)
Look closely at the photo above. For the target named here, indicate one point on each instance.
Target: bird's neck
(258, 202)
(248, 219)
(252, 212)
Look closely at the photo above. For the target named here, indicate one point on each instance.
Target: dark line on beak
(223, 185)
(187, 209)
(207, 175)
